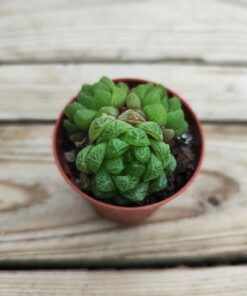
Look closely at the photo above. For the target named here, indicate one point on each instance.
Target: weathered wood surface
(209, 31)
(42, 218)
(226, 281)
(41, 91)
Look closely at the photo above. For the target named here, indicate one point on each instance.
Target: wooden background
(47, 50)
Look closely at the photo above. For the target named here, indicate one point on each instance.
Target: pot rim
(124, 208)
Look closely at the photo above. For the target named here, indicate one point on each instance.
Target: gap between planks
(168, 61)
(61, 264)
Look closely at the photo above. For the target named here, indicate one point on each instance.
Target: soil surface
(184, 149)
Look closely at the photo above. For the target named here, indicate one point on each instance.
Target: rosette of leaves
(156, 106)
(149, 102)
(102, 97)
(125, 162)
(127, 157)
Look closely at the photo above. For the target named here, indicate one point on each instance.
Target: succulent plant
(128, 155)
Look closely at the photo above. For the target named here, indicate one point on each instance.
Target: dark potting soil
(184, 149)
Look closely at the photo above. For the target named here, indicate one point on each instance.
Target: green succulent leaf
(125, 183)
(172, 164)
(70, 127)
(100, 194)
(95, 157)
(108, 110)
(124, 86)
(153, 129)
(133, 101)
(162, 91)
(85, 100)
(174, 104)
(138, 193)
(153, 169)
(85, 96)
(156, 113)
(142, 154)
(182, 130)
(87, 89)
(115, 148)
(81, 159)
(134, 168)
(175, 119)
(84, 117)
(101, 98)
(114, 166)
(100, 86)
(168, 134)
(152, 97)
(158, 184)
(113, 130)
(97, 126)
(164, 102)
(120, 200)
(118, 97)
(108, 82)
(103, 181)
(161, 150)
(136, 137)
(128, 156)
(103, 195)
(72, 108)
(142, 89)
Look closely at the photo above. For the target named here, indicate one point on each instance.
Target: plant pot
(119, 214)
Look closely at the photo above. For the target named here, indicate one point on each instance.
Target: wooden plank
(208, 31)
(40, 92)
(226, 281)
(42, 218)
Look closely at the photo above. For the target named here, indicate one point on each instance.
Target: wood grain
(41, 91)
(42, 218)
(207, 31)
(226, 281)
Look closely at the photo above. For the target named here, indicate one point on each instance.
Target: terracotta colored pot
(126, 215)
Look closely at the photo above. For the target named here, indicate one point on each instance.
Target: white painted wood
(209, 31)
(40, 92)
(42, 218)
(225, 281)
